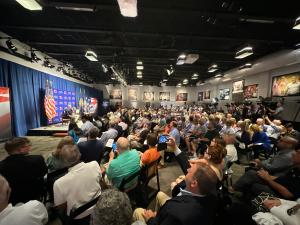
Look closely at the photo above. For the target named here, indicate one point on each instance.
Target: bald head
(122, 144)
(259, 121)
(4, 193)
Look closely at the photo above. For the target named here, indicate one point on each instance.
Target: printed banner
(5, 117)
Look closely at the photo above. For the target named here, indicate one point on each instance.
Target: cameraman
(277, 113)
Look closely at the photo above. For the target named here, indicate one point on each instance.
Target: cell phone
(162, 142)
(114, 147)
(163, 139)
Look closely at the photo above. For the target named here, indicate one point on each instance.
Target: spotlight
(11, 46)
(139, 65)
(218, 75)
(34, 57)
(60, 68)
(48, 64)
(141, 84)
(30, 4)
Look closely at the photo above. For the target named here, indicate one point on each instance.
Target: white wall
(192, 95)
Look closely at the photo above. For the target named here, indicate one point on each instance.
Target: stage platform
(48, 130)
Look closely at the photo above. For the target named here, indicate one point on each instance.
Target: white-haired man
(80, 185)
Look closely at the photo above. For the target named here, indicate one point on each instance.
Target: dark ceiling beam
(147, 34)
(132, 57)
(204, 51)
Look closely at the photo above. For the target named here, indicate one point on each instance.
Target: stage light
(60, 68)
(185, 81)
(128, 8)
(11, 46)
(165, 80)
(138, 67)
(104, 68)
(244, 52)
(140, 84)
(213, 68)
(48, 64)
(30, 4)
(92, 56)
(34, 57)
(178, 85)
(245, 66)
(297, 24)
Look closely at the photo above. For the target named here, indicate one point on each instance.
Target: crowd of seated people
(204, 143)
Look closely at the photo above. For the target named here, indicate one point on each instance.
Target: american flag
(49, 102)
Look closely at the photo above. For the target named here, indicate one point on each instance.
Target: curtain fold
(27, 89)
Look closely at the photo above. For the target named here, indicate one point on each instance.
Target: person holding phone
(151, 154)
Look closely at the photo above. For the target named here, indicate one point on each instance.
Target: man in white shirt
(79, 186)
(86, 125)
(30, 213)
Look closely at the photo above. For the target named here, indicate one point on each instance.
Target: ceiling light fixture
(92, 56)
(128, 8)
(139, 65)
(195, 76)
(141, 84)
(244, 52)
(185, 81)
(218, 75)
(178, 85)
(30, 4)
(213, 68)
(181, 59)
(191, 58)
(297, 24)
(245, 66)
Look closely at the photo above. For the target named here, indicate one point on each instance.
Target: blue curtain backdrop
(27, 90)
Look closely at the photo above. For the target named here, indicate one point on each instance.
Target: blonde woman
(260, 141)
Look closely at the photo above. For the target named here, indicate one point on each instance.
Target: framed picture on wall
(200, 96)
(238, 86)
(206, 95)
(164, 96)
(286, 85)
(224, 94)
(115, 94)
(181, 96)
(251, 91)
(132, 94)
(148, 96)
